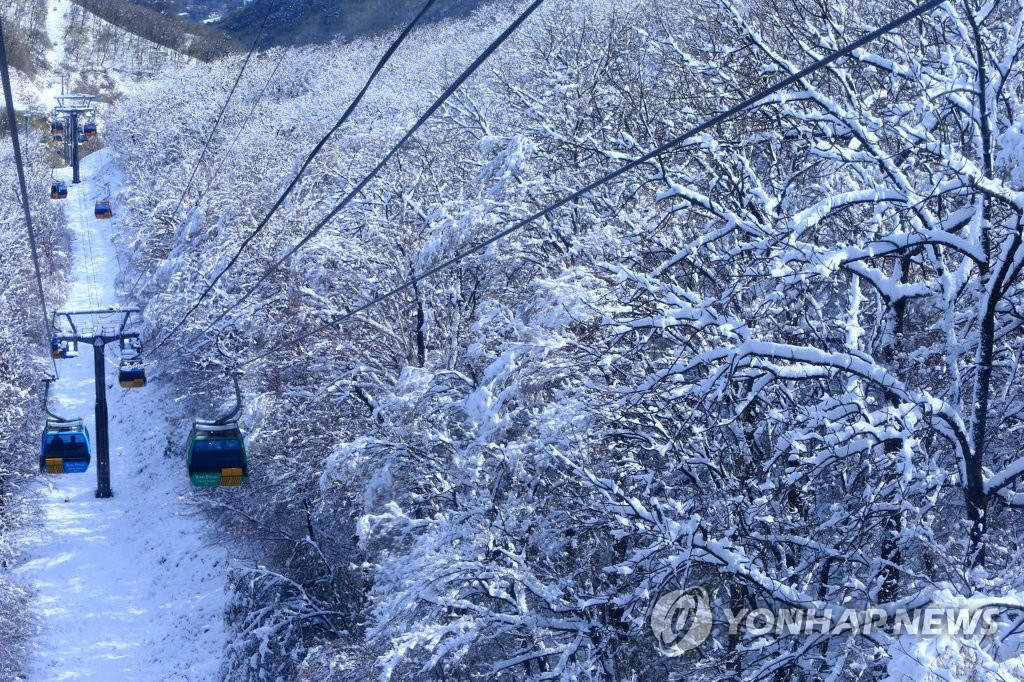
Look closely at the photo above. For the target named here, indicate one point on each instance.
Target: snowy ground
(56, 20)
(39, 94)
(131, 587)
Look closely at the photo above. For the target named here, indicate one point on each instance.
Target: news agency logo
(682, 620)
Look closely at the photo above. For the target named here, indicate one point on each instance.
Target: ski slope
(130, 587)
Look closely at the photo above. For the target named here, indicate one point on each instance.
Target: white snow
(131, 587)
(56, 22)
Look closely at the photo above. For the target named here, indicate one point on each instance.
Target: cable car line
(216, 168)
(12, 125)
(394, 150)
(220, 116)
(495, 44)
(715, 120)
(309, 159)
(214, 174)
(90, 259)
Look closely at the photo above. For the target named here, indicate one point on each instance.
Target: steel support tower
(97, 328)
(72, 105)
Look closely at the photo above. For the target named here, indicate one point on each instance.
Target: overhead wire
(305, 164)
(675, 142)
(224, 107)
(86, 240)
(209, 139)
(26, 207)
(12, 123)
(240, 129)
(227, 150)
(495, 44)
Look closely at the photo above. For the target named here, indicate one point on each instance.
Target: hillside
(26, 34)
(198, 11)
(169, 31)
(206, 29)
(300, 22)
(741, 370)
(681, 342)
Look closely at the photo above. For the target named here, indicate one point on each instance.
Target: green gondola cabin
(216, 455)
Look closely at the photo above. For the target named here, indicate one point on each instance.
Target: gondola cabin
(82, 138)
(104, 210)
(89, 129)
(58, 190)
(216, 455)
(65, 448)
(58, 138)
(131, 374)
(61, 350)
(58, 349)
(57, 127)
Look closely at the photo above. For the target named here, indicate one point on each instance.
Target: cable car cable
(224, 153)
(204, 473)
(495, 44)
(309, 159)
(715, 120)
(220, 116)
(243, 124)
(90, 259)
(12, 124)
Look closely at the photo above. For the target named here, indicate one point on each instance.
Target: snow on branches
(780, 363)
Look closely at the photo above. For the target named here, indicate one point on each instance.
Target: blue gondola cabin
(131, 374)
(65, 448)
(89, 129)
(61, 350)
(104, 210)
(58, 190)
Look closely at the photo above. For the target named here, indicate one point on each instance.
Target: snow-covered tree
(780, 362)
(820, 364)
(22, 366)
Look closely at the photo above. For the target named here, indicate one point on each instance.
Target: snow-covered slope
(131, 587)
(105, 61)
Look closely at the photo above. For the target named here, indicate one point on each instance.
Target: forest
(192, 40)
(778, 362)
(26, 43)
(21, 366)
